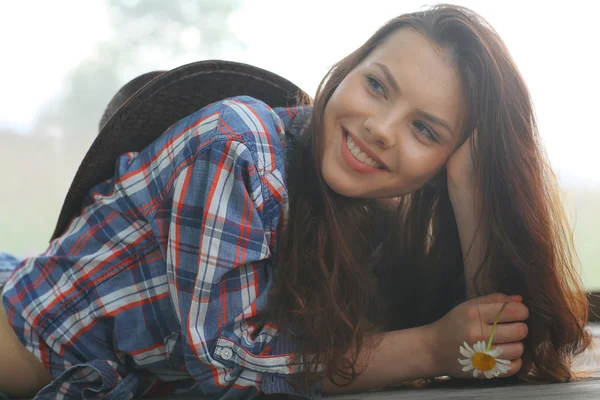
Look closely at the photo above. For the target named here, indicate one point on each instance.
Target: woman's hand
(472, 321)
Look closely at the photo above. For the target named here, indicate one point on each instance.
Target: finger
(512, 312)
(515, 366)
(510, 351)
(497, 298)
(486, 314)
(507, 333)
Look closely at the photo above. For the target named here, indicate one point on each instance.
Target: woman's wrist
(460, 186)
(432, 365)
(466, 205)
(399, 356)
(430, 342)
(414, 351)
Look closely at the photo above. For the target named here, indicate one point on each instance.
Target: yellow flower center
(483, 362)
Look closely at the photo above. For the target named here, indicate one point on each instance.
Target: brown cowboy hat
(146, 106)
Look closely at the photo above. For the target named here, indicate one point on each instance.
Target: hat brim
(161, 102)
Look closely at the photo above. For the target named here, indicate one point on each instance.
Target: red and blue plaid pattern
(160, 285)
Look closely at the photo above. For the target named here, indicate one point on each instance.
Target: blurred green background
(63, 62)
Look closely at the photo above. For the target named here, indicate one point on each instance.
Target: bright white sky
(555, 44)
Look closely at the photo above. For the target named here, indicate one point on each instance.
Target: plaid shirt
(160, 285)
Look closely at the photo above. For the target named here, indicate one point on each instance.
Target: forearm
(399, 356)
(466, 209)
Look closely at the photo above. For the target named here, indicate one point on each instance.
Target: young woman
(254, 249)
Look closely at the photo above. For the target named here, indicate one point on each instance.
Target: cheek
(348, 97)
(422, 162)
(329, 124)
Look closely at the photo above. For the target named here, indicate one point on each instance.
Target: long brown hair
(325, 296)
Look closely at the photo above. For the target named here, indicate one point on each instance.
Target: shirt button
(226, 353)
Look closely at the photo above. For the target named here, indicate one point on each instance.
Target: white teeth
(359, 155)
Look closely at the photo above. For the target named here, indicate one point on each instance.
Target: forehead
(425, 73)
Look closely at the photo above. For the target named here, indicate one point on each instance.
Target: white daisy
(479, 359)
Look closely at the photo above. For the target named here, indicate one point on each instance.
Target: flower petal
(489, 374)
(475, 372)
(465, 352)
(502, 361)
(495, 352)
(502, 368)
(465, 362)
(468, 368)
(469, 349)
(479, 347)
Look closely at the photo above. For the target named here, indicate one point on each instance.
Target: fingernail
(517, 297)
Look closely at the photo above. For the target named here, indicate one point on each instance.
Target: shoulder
(255, 125)
(241, 131)
(247, 109)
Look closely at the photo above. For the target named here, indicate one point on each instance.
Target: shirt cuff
(275, 361)
(277, 374)
(275, 384)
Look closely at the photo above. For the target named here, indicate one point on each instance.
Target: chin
(350, 192)
(343, 187)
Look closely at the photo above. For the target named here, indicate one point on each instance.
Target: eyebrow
(431, 118)
(389, 76)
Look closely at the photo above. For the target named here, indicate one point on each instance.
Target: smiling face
(394, 120)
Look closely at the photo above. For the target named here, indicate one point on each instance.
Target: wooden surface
(585, 390)
(563, 391)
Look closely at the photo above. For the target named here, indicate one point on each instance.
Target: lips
(354, 162)
(381, 165)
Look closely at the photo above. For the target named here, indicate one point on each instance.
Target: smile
(359, 155)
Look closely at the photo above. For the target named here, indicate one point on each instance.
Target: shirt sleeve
(225, 206)
(168, 268)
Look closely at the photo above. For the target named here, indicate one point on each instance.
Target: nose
(382, 130)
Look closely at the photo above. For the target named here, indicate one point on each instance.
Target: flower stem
(489, 343)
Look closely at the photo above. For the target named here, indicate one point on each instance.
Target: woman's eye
(425, 131)
(375, 85)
